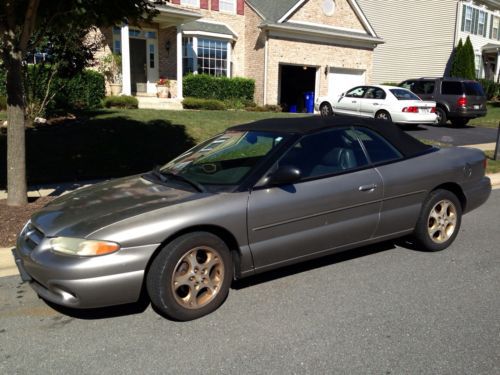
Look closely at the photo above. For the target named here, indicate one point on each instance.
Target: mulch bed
(12, 219)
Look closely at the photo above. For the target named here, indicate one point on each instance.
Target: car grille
(31, 237)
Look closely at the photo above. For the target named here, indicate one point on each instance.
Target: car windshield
(402, 94)
(224, 160)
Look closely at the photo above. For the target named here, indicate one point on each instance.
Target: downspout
(266, 58)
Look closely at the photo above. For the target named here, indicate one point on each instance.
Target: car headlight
(81, 247)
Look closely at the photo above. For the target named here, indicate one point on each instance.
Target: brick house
(287, 46)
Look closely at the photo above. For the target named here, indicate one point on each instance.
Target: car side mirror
(285, 175)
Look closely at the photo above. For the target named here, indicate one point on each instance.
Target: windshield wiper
(165, 176)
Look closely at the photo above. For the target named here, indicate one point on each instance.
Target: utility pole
(496, 156)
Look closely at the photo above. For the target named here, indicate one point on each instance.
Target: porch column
(126, 81)
(180, 94)
(497, 66)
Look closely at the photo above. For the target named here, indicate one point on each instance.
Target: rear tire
(383, 115)
(439, 221)
(326, 110)
(441, 116)
(190, 277)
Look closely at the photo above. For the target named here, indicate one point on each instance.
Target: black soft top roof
(405, 143)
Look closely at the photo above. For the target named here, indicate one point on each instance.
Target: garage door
(340, 80)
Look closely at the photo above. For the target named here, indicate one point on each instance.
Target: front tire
(326, 110)
(190, 277)
(439, 221)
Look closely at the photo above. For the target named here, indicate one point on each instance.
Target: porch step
(147, 102)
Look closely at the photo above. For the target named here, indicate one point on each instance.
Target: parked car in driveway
(257, 197)
(457, 99)
(383, 102)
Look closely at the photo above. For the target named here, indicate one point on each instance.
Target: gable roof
(278, 12)
(272, 10)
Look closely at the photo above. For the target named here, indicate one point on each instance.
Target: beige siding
(419, 36)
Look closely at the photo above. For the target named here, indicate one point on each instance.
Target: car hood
(87, 210)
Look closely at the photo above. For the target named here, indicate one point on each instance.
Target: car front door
(349, 103)
(335, 203)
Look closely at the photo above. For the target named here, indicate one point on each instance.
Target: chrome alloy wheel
(442, 221)
(197, 277)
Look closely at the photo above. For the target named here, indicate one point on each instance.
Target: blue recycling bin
(293, 108)
(309, 101)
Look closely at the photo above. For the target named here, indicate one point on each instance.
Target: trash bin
(309, 101)
(293, 108)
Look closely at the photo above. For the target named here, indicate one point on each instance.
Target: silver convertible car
(257, 197)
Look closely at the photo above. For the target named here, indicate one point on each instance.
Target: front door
(349, 103)
(138, 64)
(336, 203)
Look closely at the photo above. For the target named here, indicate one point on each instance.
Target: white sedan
(383, 102)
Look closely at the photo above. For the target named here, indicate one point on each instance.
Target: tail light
(410, 109)
(433, 110)
(462, 101)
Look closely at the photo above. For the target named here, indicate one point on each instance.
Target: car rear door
(372, 101)
(336, 202)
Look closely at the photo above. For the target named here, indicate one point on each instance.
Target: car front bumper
(84, 282)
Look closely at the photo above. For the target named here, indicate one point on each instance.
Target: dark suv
(457, 100)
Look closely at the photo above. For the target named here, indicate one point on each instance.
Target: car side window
(378, 148)
(375, 93)
(326, 153)
(452, 88)
(356, 92)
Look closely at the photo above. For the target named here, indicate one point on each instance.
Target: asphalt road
(467, 135)
(378, 310)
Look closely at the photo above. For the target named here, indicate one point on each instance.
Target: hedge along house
(287, 46)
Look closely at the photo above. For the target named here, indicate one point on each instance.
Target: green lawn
(114, 143)
(491, 120)
(493, 165)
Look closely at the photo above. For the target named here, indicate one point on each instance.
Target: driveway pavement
(455, 136)
(383, 309)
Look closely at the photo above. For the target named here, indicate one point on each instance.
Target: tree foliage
(26, 25)
(463, 64)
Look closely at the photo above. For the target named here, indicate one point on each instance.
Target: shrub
(123, 101)
(209, 104)
(3, 103)
(3, 88)
(265, 108)
(390, 84)
(491, 88)
(238, 103)
(220, 88)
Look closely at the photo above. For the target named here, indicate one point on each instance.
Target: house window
(117, 46)
(480, 23)
(495, 27)
(468, 19)
(228, 6)
(188, 56)
(193, 3)
(212, 57)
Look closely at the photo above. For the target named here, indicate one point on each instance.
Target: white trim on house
(338, 28)
(291, 11)
(180, 94)
(211, 35)
(125, 48)
(362, 17)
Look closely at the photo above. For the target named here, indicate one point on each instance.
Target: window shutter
(176, 1)
(475, 18)
(204, 4)
(491, 26)
(485, 24)
(215, 5)
(463, 17)
(240, 7)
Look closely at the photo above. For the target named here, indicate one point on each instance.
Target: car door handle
(367, 187)
(354, 101)
(376, 104)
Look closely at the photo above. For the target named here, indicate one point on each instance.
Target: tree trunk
(16, 132)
